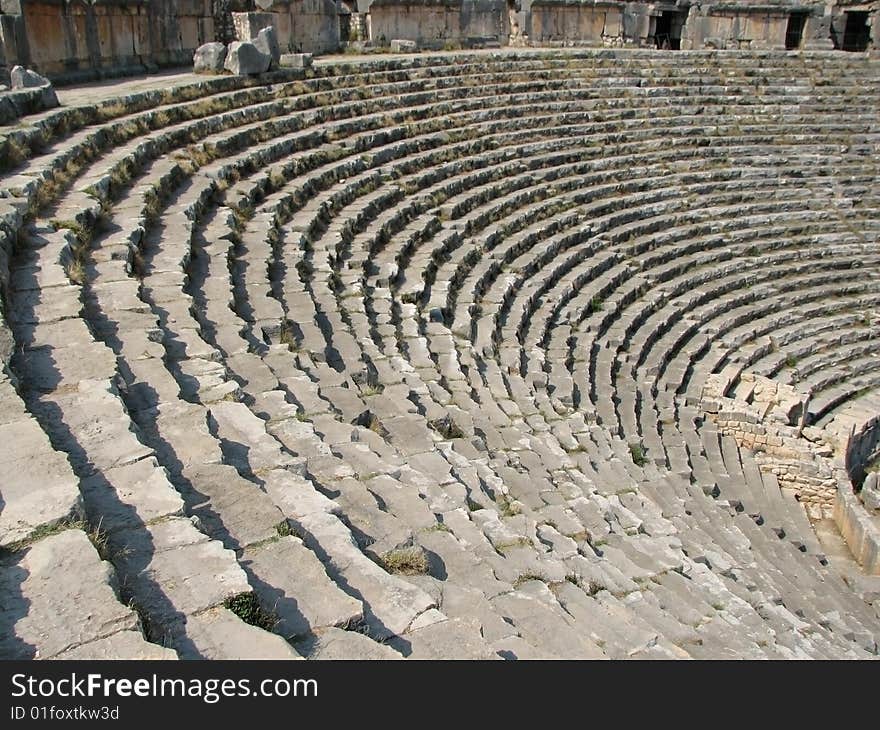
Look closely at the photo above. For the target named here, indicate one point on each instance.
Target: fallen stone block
(24, 78)
(296, 60)
(245, 59)
(267, 42)
(209, 58)
(399, 45)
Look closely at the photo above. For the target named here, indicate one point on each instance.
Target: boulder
(24, 78)
(402, 46)
(267, 42)
(245, 59)
(296, 60)
(209, 58)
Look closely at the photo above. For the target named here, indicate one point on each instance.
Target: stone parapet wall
(860, 529)
(856, 430)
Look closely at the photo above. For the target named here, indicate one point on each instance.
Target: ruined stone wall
(302, 26)
(767, 418)
(859, 529)
(856, 430)
(432, 22)
(737, 26)
(588, 23)
(725, 25)
(484, 19)
(427, 22)
(822, 466)
(77, 37)
(837, 19)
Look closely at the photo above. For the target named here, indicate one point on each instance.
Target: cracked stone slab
(172, 570)
(130, 495)
(124, 645)
(58, 595)
(93, 425)
(450, 639)
(392, 604)
(38, 487)
(339, 644)
(219, 634)
(291, 581)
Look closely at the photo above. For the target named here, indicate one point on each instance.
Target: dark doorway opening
(345, 27)
(667, 29)
(794, 32)
(855, 32)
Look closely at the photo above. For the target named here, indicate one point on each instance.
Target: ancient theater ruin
(481, 329)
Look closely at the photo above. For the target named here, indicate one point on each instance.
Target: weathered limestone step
(293, 584)
(543, 624)
(683, 258)
(228, 507)
(38, 488)
(338, 644)
(60, 601)
(173, 571)
(620, 633)
(436, 637)
(89, 422)
(391, 604)
(246, 444)
(219, 634)
(130, 496)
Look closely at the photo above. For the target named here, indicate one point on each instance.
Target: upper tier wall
(80, 39)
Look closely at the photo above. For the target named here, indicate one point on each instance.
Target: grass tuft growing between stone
(637, 453)
(405, 561)
(248, 609)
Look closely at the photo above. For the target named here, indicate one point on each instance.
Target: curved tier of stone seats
(407, 357)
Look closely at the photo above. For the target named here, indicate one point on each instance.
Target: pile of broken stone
(247, 57)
